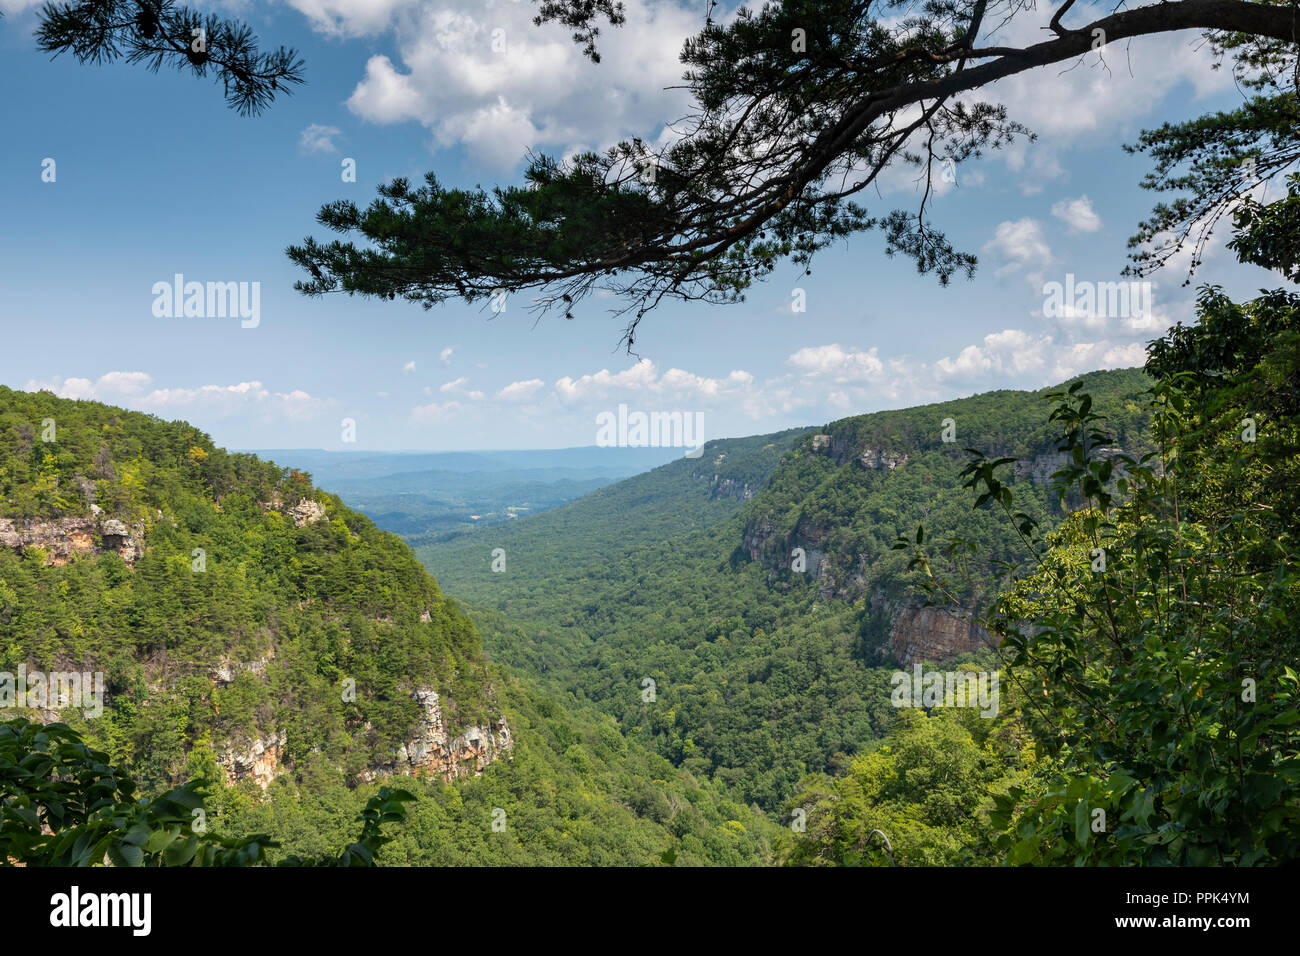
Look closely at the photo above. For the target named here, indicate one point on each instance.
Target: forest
(694, 665)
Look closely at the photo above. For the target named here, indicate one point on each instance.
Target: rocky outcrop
(259, 760)
(1041, 467)
(721, 487)
(842, 451)
(878, 459)
(432, 751)
(934, 634)
(225, 671)
(62, 539)
(306, 512)
(757, 539)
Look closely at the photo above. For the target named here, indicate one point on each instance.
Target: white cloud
(600, 384)
(408, 368)
(130, 390)
(1011, 352)
(521, 391)
(318, 139)
(1014, 355)
(451, 386)
(445, 355)
(1078, 214)
(1021, 247)
(836, 364)
(501, 93)
(350, 17)
(1085, 101)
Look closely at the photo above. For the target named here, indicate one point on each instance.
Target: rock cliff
(433, 751)
(62, 539)
(933, 634)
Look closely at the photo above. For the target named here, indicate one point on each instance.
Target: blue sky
(154, 176)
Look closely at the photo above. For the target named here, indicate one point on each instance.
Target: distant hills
(415, 493)
(683, 576)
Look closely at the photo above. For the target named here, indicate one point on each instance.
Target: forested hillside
(256, 634)
(761, 674)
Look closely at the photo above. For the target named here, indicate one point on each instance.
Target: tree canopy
(799, 107)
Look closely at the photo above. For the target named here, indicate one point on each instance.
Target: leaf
(125, 854)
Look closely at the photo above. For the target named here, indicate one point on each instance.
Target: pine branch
(158, 33)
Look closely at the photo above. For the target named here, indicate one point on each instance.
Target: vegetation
(761, 675)
(799, 107)
(236, 623)
(158, 33)
(64, 805)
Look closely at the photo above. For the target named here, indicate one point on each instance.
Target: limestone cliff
(433, 751)
(62, 539)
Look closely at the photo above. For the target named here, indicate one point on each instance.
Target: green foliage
(63, 803)
(1154, 639)
(762, 675)
(919, 797)
(227, 584)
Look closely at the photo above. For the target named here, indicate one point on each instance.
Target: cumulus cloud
(836, 364)
(351, 18)
(1021, 247)
(1078, 214)
(484, 76)
(408, 368)
(1010, 352)
(445, 355)
(600, 384)
(133, 390)
(1107, 93)
(1017, 355)
(521, 391)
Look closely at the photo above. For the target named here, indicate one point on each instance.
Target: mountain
(253, 632)
(683, 577)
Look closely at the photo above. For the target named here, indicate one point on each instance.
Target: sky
(154, 177)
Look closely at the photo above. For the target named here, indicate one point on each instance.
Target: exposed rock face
(432, 751)
(260, 760)
(878, 459)
(307, 512)
(225, 671)
(842, 451)
(757, 538)
(1041, 467)
(720, 487)
(934, 634)
(65, 538)
(730, 488)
